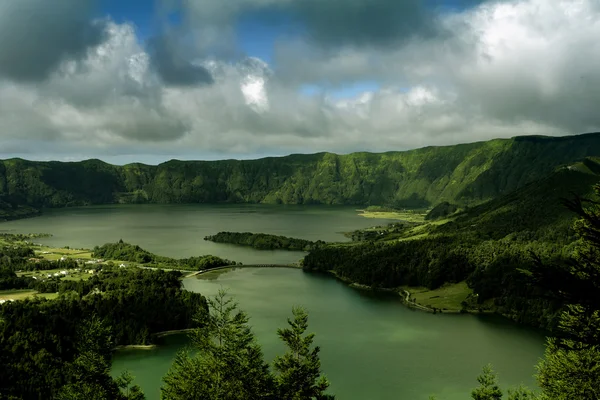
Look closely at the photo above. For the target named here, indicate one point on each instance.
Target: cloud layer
(73, 87)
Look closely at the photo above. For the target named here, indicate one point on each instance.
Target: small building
(122, 266)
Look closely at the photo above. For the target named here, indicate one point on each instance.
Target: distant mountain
(466, 174)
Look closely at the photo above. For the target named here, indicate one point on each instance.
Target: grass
(25, 293)
(49, 296)
(449, 297)
(16, 294)
(408, 216)
(55, 253)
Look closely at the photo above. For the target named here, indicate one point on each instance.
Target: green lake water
(372, 346)
(179, 230)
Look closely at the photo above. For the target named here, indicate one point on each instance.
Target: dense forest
(465, 174)
(122, 251)
(46, 343)
(486, 245)
(263, 241)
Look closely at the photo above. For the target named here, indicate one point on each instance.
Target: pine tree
(570, 367)
(90, 371)
(225, 361)
(488, 386)
(299, 370)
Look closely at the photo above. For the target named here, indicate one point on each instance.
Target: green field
(448, 298)
(408, 216)
(23, 294)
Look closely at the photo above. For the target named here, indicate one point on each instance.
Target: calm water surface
(372, 346)
(178, 230)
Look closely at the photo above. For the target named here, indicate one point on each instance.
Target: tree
(570, 367)
(299, 370)
(521, 393)
(488, 386)
(90, 371)
(227, 364)
(569, 372)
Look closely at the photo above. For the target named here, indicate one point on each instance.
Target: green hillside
(485, 246)
(466, 174)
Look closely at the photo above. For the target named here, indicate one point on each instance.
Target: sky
(153, 80)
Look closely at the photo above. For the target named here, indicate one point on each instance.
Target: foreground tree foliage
(571, 365)
(299, 370)
(53, 350)
(226, 363)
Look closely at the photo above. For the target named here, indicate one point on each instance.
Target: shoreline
(232, 267)
(405, 297)
(135, 347)
(173, 332)
(154, 345)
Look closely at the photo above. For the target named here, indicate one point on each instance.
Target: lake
(179, 230)
(373, 347)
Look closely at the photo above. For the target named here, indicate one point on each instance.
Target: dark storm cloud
(172, 67)
(36, 35)
(365, 22)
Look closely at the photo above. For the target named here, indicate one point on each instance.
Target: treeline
(491, 268)
(47, 346)
(263, 241)
(122, 251)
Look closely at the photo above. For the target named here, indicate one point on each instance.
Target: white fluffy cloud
(507, 68)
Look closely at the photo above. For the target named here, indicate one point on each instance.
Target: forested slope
(461, 174)
(485, 245)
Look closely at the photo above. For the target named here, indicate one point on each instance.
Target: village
(71, 264)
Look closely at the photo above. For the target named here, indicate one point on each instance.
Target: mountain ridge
(464, 174)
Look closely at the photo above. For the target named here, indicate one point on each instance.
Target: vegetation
(61, 348)
(226, 362)
(449, 297)
(442, 210)
(480, 257)
(486, 246)
(570, 368)
(263, 241)
(128, 252)
(466, 174)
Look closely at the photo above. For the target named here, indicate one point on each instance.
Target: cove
(373, 347)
